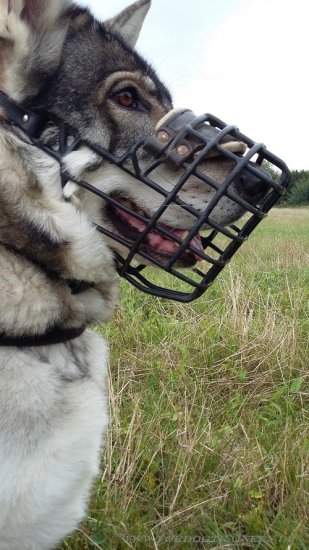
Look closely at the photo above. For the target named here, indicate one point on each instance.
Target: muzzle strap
(30, 122)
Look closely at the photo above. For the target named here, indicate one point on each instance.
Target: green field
(209, 439)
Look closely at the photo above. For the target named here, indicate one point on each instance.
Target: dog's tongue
(165, 245)
(159, 242)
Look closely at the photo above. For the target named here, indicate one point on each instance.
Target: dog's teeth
(184, 235)
(69, 189)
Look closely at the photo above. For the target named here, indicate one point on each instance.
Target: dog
(55, 57)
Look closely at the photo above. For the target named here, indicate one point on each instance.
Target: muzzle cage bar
(219, 242)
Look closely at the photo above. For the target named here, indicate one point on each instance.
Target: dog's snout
(254, 185)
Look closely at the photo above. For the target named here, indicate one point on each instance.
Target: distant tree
(271, 170)
(298, 191)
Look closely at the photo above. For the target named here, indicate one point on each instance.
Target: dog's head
(57, 59)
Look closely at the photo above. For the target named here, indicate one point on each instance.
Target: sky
(244, 61)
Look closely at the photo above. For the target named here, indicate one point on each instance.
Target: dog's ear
(8, 30)
(41, 14)
(129, 22)
(30, 43)
(5, 8)
(38, 14)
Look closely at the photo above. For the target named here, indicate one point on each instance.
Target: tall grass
(208, 446)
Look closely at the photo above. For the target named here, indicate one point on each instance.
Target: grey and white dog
(55, 57)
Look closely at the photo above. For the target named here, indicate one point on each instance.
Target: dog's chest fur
(53, 400)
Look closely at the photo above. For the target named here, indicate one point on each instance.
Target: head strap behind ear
(28, 121)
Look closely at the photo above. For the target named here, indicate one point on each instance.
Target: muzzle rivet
(183, 150)
(163, 136)
(26, 118)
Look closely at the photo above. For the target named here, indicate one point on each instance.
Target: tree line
(298, 190)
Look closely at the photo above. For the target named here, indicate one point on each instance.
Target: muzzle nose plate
(180, 146)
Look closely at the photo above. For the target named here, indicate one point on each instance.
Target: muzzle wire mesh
(187, 142)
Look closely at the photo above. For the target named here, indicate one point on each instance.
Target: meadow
(208, 445)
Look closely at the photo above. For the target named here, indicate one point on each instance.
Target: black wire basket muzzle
(184, 143)
(185, 147)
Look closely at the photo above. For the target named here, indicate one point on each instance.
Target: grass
(208, 446)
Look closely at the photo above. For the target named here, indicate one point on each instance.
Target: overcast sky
(244, 61)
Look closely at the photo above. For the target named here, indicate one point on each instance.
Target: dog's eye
(128, 99)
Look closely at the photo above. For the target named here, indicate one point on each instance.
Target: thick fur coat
(53, 398)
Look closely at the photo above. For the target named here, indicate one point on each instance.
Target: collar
(54, 335)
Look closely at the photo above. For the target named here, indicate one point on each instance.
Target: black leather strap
(55, 335)
(28, 121)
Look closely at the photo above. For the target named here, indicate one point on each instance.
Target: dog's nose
(254, 185)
